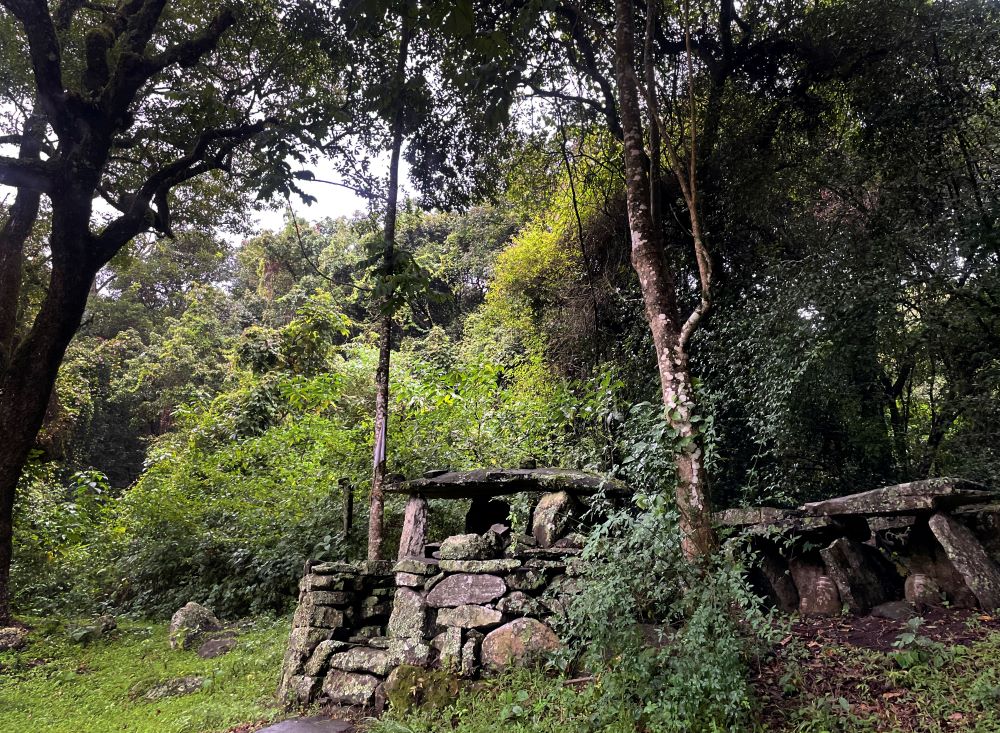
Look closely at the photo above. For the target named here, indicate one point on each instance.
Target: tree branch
(32, 174)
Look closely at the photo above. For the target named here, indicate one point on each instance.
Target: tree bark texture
(656, 281)
(376, 530)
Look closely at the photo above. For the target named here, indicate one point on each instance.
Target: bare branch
(34, 175)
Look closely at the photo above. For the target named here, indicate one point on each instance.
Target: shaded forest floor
(873, 674)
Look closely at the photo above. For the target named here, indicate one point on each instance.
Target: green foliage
(680, 637)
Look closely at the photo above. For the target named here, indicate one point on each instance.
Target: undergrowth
(55, 685)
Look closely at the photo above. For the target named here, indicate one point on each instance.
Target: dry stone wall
(475, 603)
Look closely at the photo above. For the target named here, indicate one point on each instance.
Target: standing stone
(864, 577)
(189, 624)
(409, 615)
(350, 688)
(469, 617)
(966, 553)
(467, 588)
(552, 517)
(774, 581)
(411, 542)
(519, 643)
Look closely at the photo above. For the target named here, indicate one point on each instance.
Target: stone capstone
(928, 496)
(480, 566)
(970, 559)
(864, 577)
(521, 642)
(350, 688)
(409, 615)
(471, 547)
(191, 623)
(466, 588)
(552, 517)
(469, 617)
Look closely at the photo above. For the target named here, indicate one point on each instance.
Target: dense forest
(728, 253)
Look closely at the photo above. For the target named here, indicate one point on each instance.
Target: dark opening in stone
(484, 513)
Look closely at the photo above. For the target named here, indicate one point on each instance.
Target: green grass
(57, 686)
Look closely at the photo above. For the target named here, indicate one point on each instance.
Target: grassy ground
(57, 686)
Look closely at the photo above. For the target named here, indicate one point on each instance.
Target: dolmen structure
(473, 603)
(482, 601)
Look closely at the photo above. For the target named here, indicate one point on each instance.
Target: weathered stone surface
(864, 578)
(314, 724)
(471, 547)
(175, 688)
(303, 640)
(928, 496)
(364, 634)
(414, 534)
(320, 658)
(467, 588)
(375, 567)
(772, 579)
(818, 594)
(750, 515)
(300, 689)
(498, 482)
(409, 686)
(470, 658)
(552, 517)
(191, 623)
(320, 617)
(363, 659)
(410, 580)
(572, 541)
(449, 646)
(480, 566)
(373, 607)
(526, 579)
(409, 615)
(350, 688)
(412, 652)
(518, 643)
(969, 557)
(13, 638)
(334, 568)
(432, 581)
(922, 590)
(519, 604)
(328, 598)
(314, 581)
(984, 521)
(216, 647)
(469, 617)
(416, 566)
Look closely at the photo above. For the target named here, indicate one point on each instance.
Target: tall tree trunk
(657, 283)
(376, 531)
(27, 379)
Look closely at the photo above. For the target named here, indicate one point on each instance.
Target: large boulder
(467, 588)
(864, 577)
(969, 557)
(190, 623)
(521, 642)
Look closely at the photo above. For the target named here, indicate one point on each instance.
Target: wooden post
(414, 536)
(348, 518)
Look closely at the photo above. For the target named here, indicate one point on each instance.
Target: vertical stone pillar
(414, 536)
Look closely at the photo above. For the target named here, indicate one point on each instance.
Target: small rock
(191, 623)
(350, 688)
(212, 648)
(894, 611)
(519, 643)
(175, 688)
(363, 659)
(13, 638)
(519, 604)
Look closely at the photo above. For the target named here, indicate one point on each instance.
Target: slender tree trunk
(376, 532)
(657, 284)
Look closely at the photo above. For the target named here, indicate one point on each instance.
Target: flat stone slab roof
(915, 497)
(488, 482)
